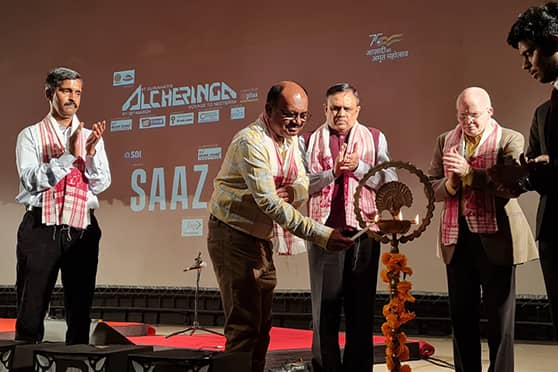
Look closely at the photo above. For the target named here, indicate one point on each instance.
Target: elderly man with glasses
(483, 233)
(338, 154)
(261, 183)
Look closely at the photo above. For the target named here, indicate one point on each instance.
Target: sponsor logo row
(176, 119)
(204, 153)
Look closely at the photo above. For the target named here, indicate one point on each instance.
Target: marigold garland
(395, 312)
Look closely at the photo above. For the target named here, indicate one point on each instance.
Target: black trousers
(548, 252)
(344, 280)
(471, 275)
(42, 251)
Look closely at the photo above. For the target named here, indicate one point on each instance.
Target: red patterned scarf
(320, 159)
(479, 207)
(285, 172)
(66, 202)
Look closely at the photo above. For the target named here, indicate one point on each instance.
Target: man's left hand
(286, 193)
(456, 163)
(96, 134)
(350, 161)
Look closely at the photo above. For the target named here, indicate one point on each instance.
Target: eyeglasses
(470, 115)
(290, 116)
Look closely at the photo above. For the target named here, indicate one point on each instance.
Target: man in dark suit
(483, 232)
(535, 35)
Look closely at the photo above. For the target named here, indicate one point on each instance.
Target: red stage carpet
(281, 339)
(7, 325)
(286, 345)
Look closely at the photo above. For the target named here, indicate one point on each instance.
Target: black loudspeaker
(85, 358)
(100, 333)
(55, 333)
(103, 334)
(183, 360)
(7, 349)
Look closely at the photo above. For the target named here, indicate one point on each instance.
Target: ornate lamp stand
(392, 196)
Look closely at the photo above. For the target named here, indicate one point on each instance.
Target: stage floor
(286, 345)
(529, 357)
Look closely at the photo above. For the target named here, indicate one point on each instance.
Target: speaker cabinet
(100, 333)
(183, 360)
(85, 358)
(7, 349)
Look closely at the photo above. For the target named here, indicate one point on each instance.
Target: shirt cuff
(91, 163)
(361, 169)
(450, 189)
(67, 160)
(322, 237)
(300, 193)
(467, 180)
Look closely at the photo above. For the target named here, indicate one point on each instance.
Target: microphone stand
(198, 265)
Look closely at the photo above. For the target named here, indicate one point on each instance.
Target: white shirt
(35, 177)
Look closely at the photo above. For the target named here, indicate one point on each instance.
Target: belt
(39, 210)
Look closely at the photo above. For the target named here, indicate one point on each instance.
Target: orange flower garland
(395, 311)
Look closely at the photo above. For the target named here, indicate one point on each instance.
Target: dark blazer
(544, 181)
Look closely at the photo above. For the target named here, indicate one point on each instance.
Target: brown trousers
(246, 275)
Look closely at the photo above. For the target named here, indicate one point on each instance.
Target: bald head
(474, 94)
(287, 108)
(474, 110)
(284, 88)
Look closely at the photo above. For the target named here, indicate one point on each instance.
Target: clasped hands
(90, 143)
(457, 167)
(345, 162)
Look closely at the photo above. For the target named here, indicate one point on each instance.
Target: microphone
(196, 266)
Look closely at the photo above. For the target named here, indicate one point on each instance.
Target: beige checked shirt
(245, 197)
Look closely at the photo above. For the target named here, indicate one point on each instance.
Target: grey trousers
(343, 281)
